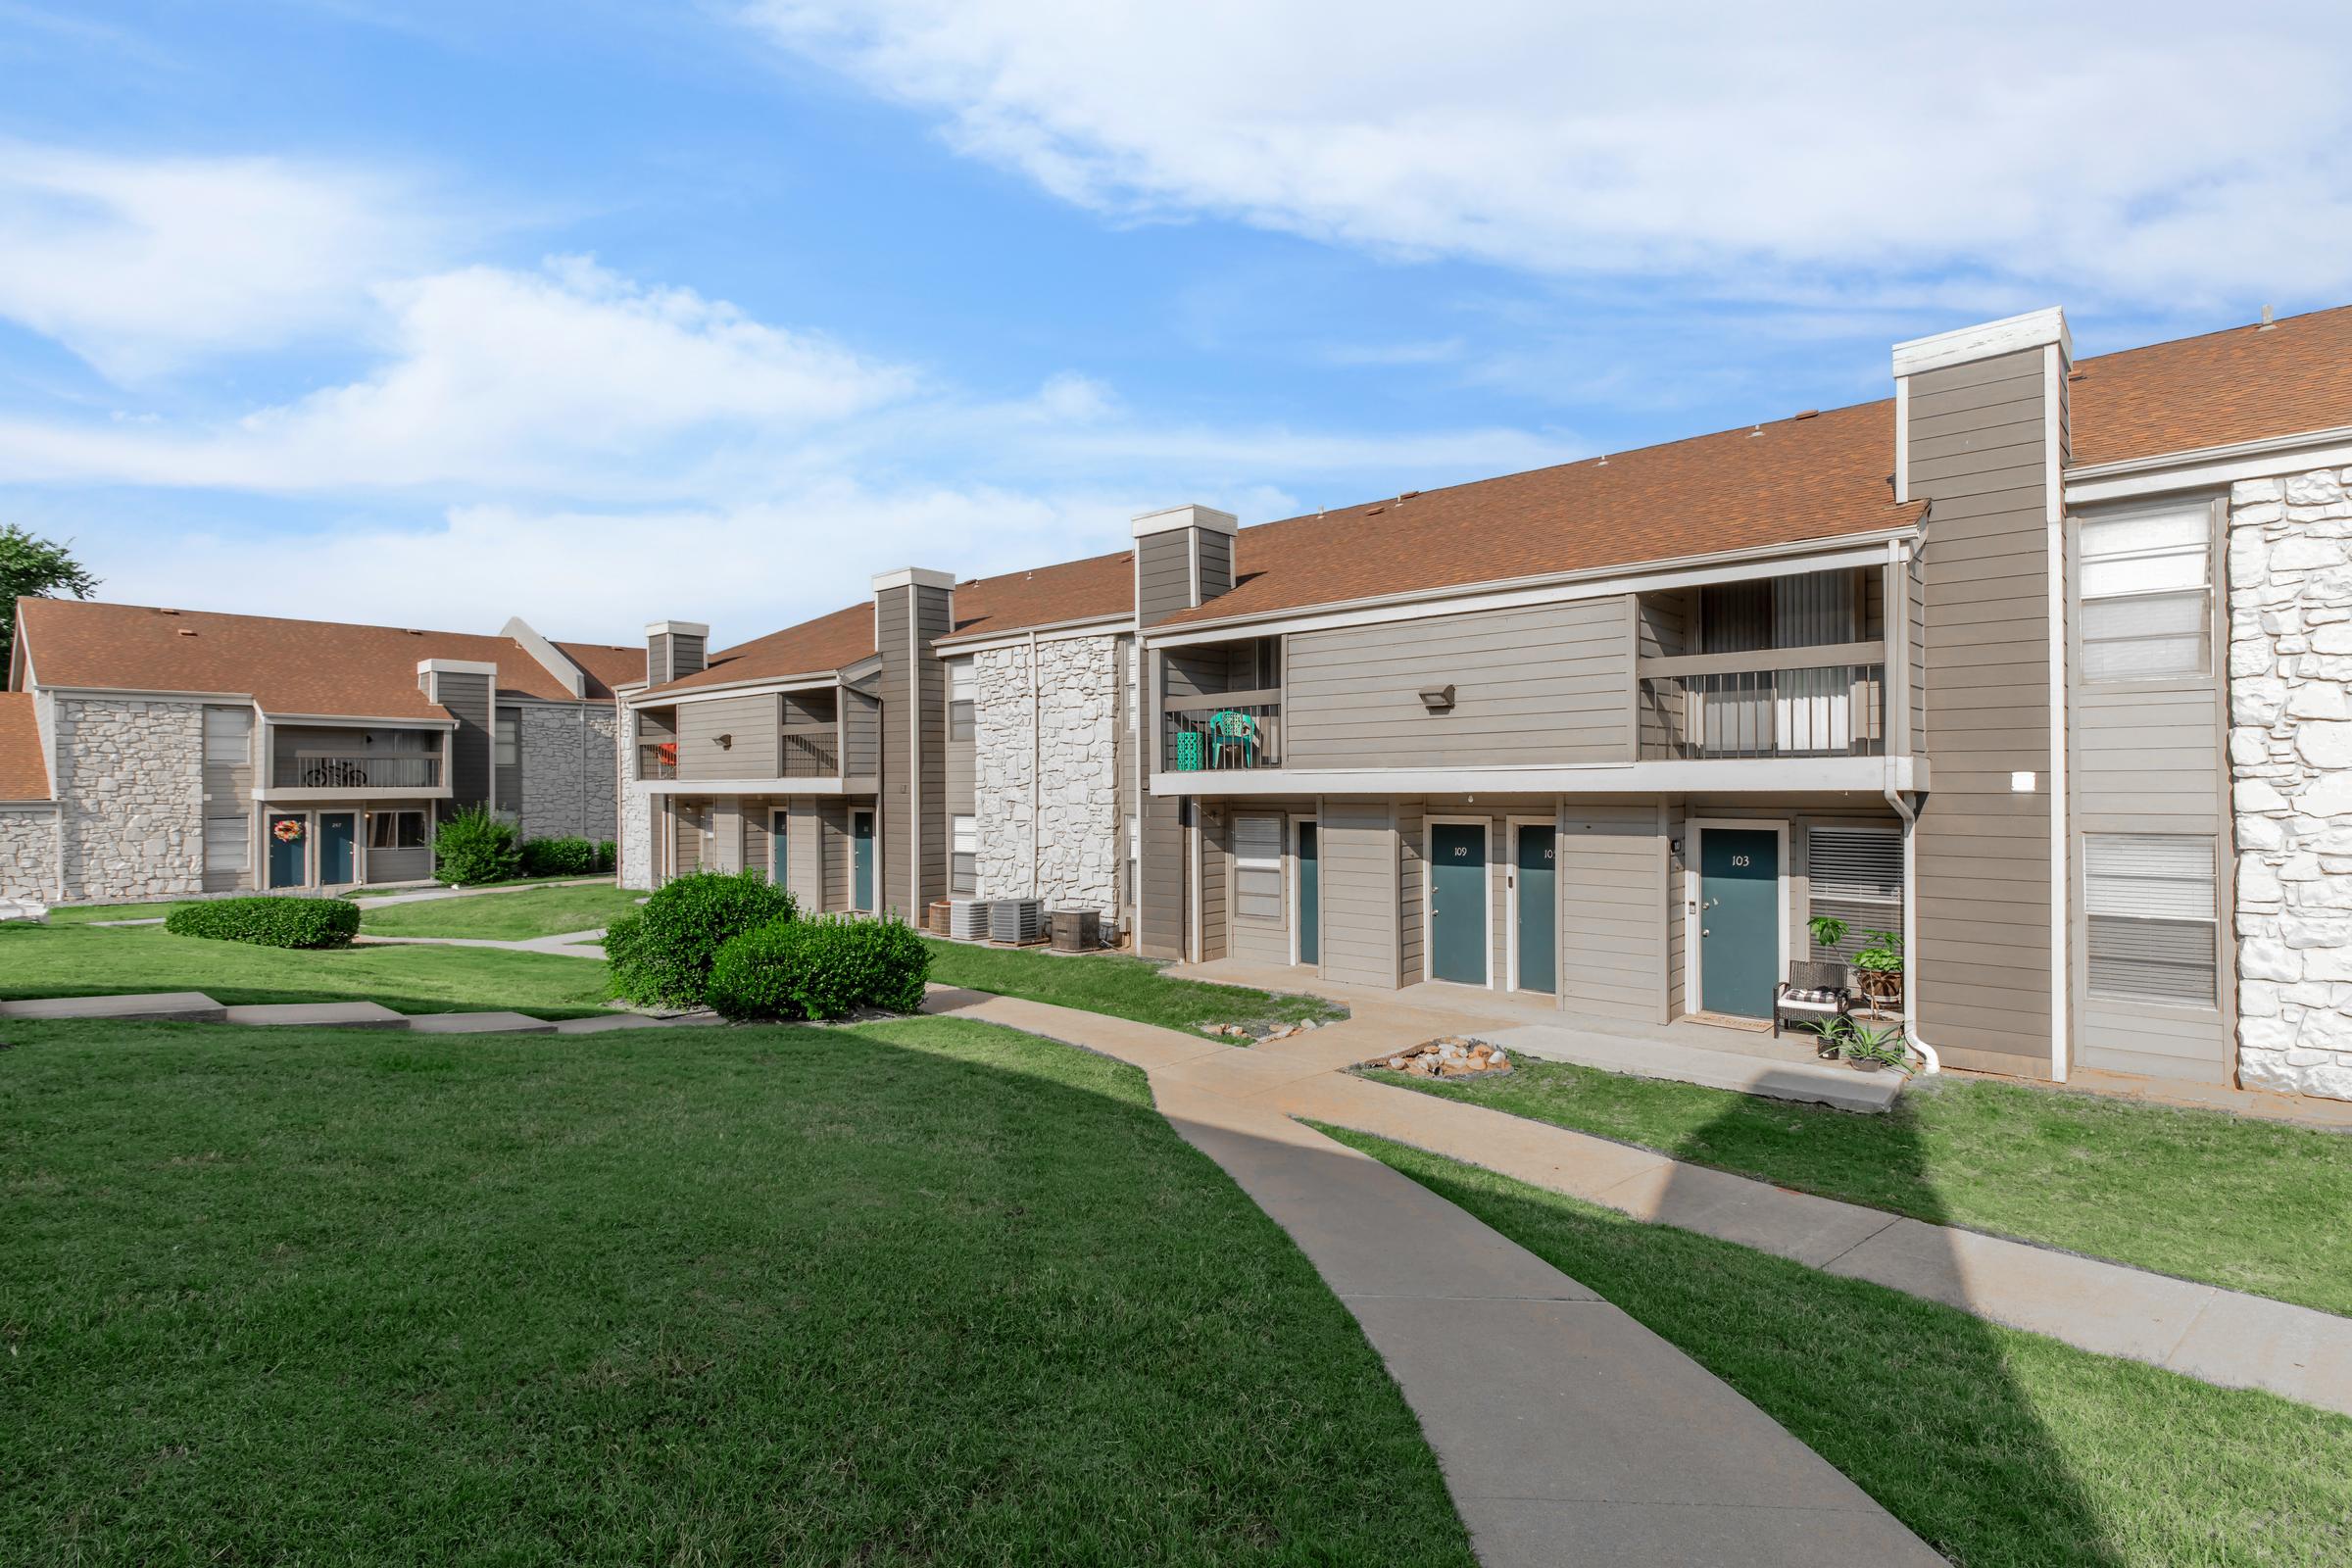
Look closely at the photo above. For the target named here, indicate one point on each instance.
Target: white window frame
(2078, 569)
(963, 689)
(2221, 973)
(960, 829)
(1694, 831)
(1894, 921)
(1260, 863)
(1510, 882)
(425, 841)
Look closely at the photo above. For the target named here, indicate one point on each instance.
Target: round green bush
(270, 921)
(477, 845)
(823, 968)
(559, 858)
(661, 954)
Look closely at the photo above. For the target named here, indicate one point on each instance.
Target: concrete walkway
(194, 1007)
(1567, 1432)
(567, 943)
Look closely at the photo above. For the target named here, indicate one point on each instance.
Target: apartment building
(149, 752)
(2039, 663)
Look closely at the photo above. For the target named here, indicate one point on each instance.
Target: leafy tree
(34, 567)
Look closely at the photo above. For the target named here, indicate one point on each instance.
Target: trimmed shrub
(661, 954)
(823, 968)
(477, 845)
(559, 858)
(607, 857)
(269, 921)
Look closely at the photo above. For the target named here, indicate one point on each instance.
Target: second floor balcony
(1744, 706)
(356, 771)
(1226, 732)
(810, 753)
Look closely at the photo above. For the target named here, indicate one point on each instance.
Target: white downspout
(1037, 782)
(1929, 1061)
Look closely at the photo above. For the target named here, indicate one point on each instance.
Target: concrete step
(150, 1007)
(319, 1015)
(604, 1025)
(1820, 1083)
(478, 1023)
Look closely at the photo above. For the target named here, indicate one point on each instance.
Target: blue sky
(597, 311)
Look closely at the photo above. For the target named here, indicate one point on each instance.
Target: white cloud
(139, 264)
(2136, 150)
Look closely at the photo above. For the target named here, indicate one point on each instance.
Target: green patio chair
(1227, 727)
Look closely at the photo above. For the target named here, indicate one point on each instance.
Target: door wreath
(288, 830)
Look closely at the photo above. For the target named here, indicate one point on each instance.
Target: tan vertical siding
(1163, 576)
(1613, 907)
(860, 734)
(1360, 897)
(1412, 885)
(1977, 454)
(1547, 685)
(750, 726)
(1216, 861)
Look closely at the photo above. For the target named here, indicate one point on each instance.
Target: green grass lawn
(504, 916)
(86, 961)
(2001, 1449)
(1122, 987)
(2249, 1204)
(925, 1292)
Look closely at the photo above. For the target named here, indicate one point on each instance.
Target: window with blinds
(2149, 899)
(228, 843)
(1856, 875)
(1257, 867)
(964, 856)
(963, 691)
(2146, 594)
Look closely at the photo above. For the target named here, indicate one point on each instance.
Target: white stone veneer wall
(636, 850)
(568, 776)
(130, 783)
(1078, 813)
(2290, 763)
(28, 853)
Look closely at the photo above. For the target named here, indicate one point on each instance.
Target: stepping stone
(151, 1007)
(478, 1023)
(598, 1026)
(320, 1015)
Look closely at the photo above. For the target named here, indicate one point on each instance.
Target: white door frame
(1510, 881)
(1693, 883)
(1429, 885)
(1290, 853)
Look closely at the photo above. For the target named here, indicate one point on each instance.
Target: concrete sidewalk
(1567, 1432)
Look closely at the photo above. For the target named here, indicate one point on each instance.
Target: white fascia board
(1987, 340)
(1170, 518)
(1851, 550)
(377, 720)
(1055, 632)
(1868, 775)
(912, 576)
(457, 666)
(2205, 467)
(676, 628)
(143, 692)
(757, 786)
(819, 680)
(551, 658)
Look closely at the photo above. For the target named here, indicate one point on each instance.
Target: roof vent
(187, 631)
(1808, 413)
(167, 611)
(1374, 511)
(1408, 495)
(1757, 431)
(2268, 319)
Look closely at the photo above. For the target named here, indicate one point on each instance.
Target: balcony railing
(810, 754)
(1714, 714)
(1222, 732)
(658, 759)
(356, 771)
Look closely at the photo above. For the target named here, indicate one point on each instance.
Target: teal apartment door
(1738, 920)
(289, 849)
(1457, 902)
(776, 847)
(1537, 909)
(862, 860)
(338, 847)
(1310, 895)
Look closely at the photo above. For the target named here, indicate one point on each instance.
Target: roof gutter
(974, 641)
(2329, 448)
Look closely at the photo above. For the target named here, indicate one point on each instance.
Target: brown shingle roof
(289, 666)
(1821, 477)
(814, 647)
(2244, 384)
(607, 666)
(1070, 590)
(23, 776)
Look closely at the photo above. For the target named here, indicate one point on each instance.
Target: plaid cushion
(1813, 997)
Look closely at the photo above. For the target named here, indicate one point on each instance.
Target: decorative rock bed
(1453, 1056)
(1259, 1034)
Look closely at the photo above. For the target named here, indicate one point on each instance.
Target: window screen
(2148, 900)
(1856, 876)
(228, 735)
(509, 741)
(964, 856)
(2145, 597)
(1257, 867)
(963, 689)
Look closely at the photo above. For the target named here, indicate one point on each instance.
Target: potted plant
(1827, 931)
(1830, 1030)
(1878, 968)
(1870, 1048)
